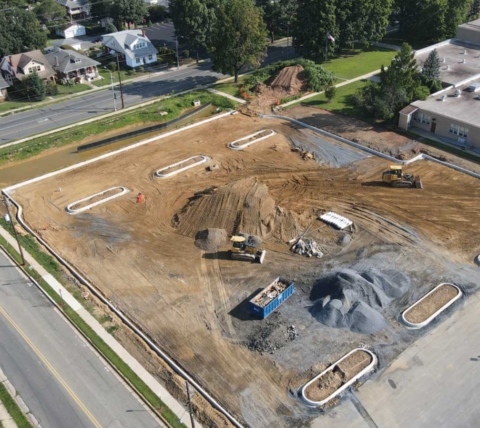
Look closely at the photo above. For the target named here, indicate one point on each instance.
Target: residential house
(14, 68)
(451, 115)
(71, 30)
(3, 88)
(73, 65)
(76, 9)
(132, 45)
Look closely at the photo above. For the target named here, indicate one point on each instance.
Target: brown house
(15, 67)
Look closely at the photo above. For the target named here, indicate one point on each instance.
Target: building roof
(409, 110)
(70, 25)
(20, 61)
(72, 3)
(76, 43)
(464, 108)
(69, 60)
(452, 54)
(3, 84)
(122, 39)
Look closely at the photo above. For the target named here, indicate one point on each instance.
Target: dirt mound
(351, 300)
(211, 239)
(291, 80)
(242, 206)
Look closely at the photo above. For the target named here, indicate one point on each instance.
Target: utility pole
(178, 67)
(15, 230)
(190, 405)
(113, 89)
(120, 81)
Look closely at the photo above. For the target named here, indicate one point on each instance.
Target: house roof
(72, 3)
(3, 84)
(73, 24)
(121, 40)
(69, 60)
(20, 61)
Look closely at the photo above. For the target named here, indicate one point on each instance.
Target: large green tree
(431, 20)
(277, 15)
(100, 8)
(193, 21)
(314, 19)
(431, 67)
(19, 30)
(49, 12)
(238, 38)
(33, 87)
(128, 11)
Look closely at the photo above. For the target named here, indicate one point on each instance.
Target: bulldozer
(245, 248)
(396, 178)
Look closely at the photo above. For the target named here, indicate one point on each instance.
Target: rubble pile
(270, 293)
(307, 248)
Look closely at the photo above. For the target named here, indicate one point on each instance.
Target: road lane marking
(52, 370)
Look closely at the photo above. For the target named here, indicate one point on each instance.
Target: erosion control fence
(165, 125)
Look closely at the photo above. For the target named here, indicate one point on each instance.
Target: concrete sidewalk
(223, 94)
(146, 377)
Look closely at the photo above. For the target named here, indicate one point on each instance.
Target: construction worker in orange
(140, 198)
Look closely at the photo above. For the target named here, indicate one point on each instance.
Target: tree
(193, 20)
(110, 28)
(315, 19)
(130, 11)
(49, 11)
(33, 87)
(330, 93)
(157, 12)
(239, 38)
(474, 12)
(431, 67)
(19, 30)
(100, 8)
(277, 15)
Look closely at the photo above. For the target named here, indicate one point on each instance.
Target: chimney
(143, 32)
(56, 61)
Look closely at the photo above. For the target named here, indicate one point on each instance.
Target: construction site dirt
(194, 303)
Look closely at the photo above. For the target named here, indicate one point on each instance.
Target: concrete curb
(433, 316)
(233, 145)
(69, 209)
(170, 174)
(366, 370)
(23, 407)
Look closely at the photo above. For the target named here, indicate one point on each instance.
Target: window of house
(30, 70)
(461, 131)
(423, 118)
(39, 68)
(138, 60)
(150, 57)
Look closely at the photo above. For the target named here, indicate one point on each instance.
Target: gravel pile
(354, 300)
(211, 239)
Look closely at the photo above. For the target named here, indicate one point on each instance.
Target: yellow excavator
(396, 178)
(246, 248)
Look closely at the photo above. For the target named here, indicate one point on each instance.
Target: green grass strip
(52, 267)
(12, 408)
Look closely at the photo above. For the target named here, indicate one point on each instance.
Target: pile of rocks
(307, 248)
(292, 332)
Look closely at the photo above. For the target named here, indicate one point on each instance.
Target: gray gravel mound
(211, 239)
(354, 300)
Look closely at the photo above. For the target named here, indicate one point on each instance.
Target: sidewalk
(223, 94)
(146, 377)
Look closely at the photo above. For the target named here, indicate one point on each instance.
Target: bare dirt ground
(194, 304)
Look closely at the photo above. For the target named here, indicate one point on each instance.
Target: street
(27, 123)
(57, 374)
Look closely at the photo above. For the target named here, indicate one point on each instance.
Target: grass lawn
(342, 103)
(358, 62)
(231, 88)
(10, 105)
(13, 409)
(124, 74)
(65, 90)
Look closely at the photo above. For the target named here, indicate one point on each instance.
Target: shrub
(112, 66)
(130, 72)
(51, 88)
(186, 53)
(330, 93)
(141, 69)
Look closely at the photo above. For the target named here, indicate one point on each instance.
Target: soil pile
(243, 205)
(290, 80)
(351, 300)
(211, 239)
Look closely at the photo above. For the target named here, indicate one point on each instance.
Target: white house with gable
(133, 45)
(71, 31)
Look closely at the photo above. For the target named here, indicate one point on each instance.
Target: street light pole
(120, 81)
(176, 48)
(113, 89)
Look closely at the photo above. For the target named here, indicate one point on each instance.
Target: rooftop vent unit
(443, 59)
(448, 67)
(464, 61)
(458, 93)
(464, 51)
(444, 97)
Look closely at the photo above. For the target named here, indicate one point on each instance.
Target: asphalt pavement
(60, 378)
(24, 124)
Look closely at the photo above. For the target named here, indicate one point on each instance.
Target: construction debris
(307, 248)
(270, 293)
(336, 220)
